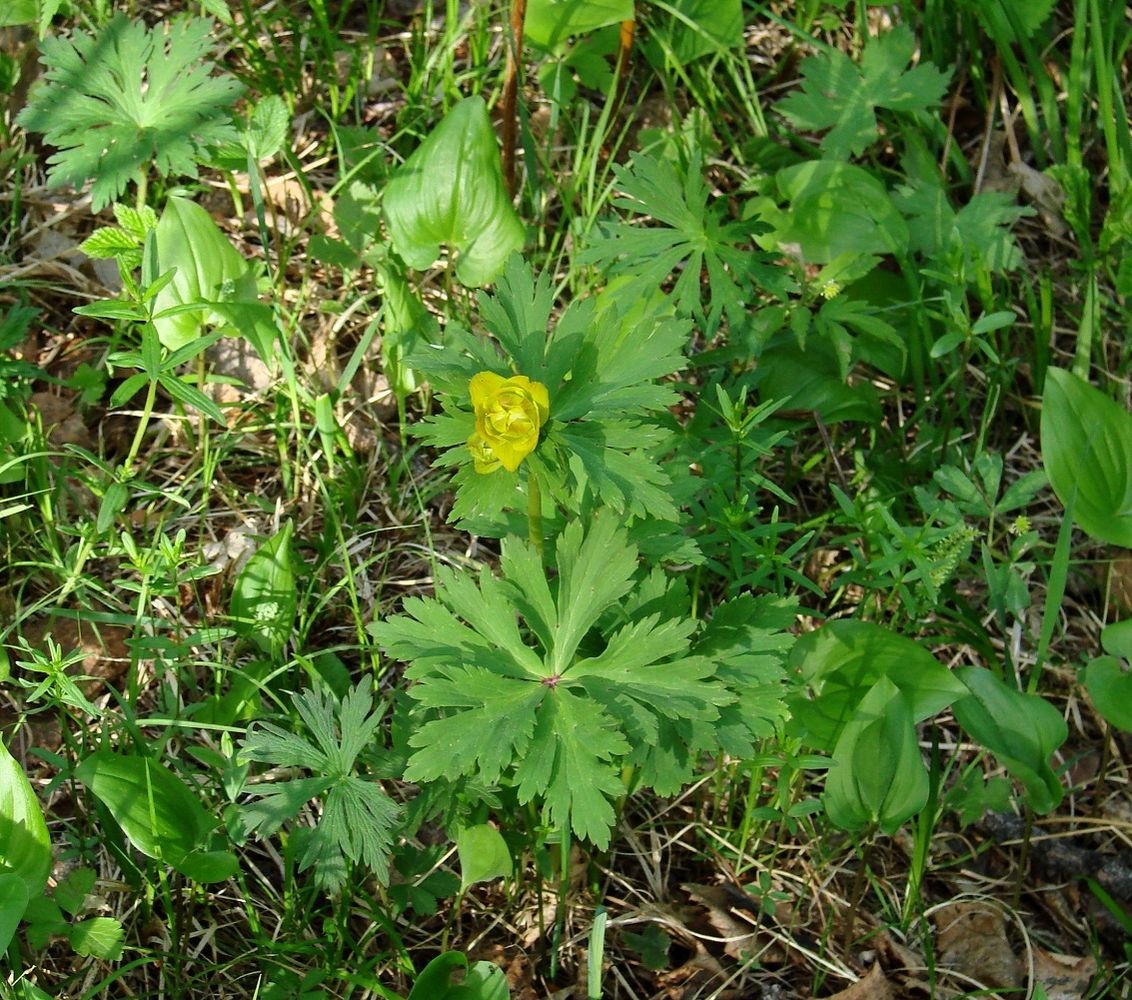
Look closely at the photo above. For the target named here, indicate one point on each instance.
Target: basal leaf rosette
(510, 412)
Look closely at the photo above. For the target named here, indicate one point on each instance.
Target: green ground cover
(565, 498)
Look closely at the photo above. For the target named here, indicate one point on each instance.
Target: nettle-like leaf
(558, 704)
(842, 97)
(693, 234)
(603, 362)
(358, 819)
(450, 191)
(127, 98)
(980, 230)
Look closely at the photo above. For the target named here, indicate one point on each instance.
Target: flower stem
(534, 513)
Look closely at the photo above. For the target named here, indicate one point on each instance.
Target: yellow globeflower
(510, 413)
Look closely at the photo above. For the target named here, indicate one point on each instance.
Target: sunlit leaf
(450, 191)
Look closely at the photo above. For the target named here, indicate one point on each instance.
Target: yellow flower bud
(510, 413)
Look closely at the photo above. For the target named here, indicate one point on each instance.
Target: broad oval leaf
(13, 903)
(843, 660)
(1087, 451)
(25, 847)
(159, 815)
(1117, 639)
(450, 190)
(878, 775)
(435, 979)
(1110, 687)
(264, 599)
(1021, 730)
(483, 854)
(550, 22)
(207, 266)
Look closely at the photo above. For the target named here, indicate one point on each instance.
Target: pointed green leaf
(594, 570)
(843, 660)
(264, 599)
(208, 268)
(878, 775)
(549, 23)
(1021, 730)
(1087, 451)
(13, 903)
(1110, 687)
(450, 191)
(25, 847)
(161, 817)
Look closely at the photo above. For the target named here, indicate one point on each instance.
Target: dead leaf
(741, 938)
(694, 978)
(62, 424)
(971, 940)
(1045, 193)
(1064, 977)
(873, 986)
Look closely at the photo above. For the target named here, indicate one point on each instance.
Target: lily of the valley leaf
(450, 190)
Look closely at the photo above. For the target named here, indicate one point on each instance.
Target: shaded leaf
(1087, 451)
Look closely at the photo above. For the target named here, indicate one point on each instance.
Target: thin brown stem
(624, 52)
(511, 94)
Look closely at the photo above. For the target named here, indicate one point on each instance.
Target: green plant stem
(563, 889)
(858, 892)
(534, 513)
(143, 424)
(143, 188)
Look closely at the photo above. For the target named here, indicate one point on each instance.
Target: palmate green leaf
(358, 820)
(571, 765)
(450, 191)
(980, 230)
(500, 702)
(749, 639)
(602, 458)
(605, 363)
(128, 97)
(692, 235)
(839, 96)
